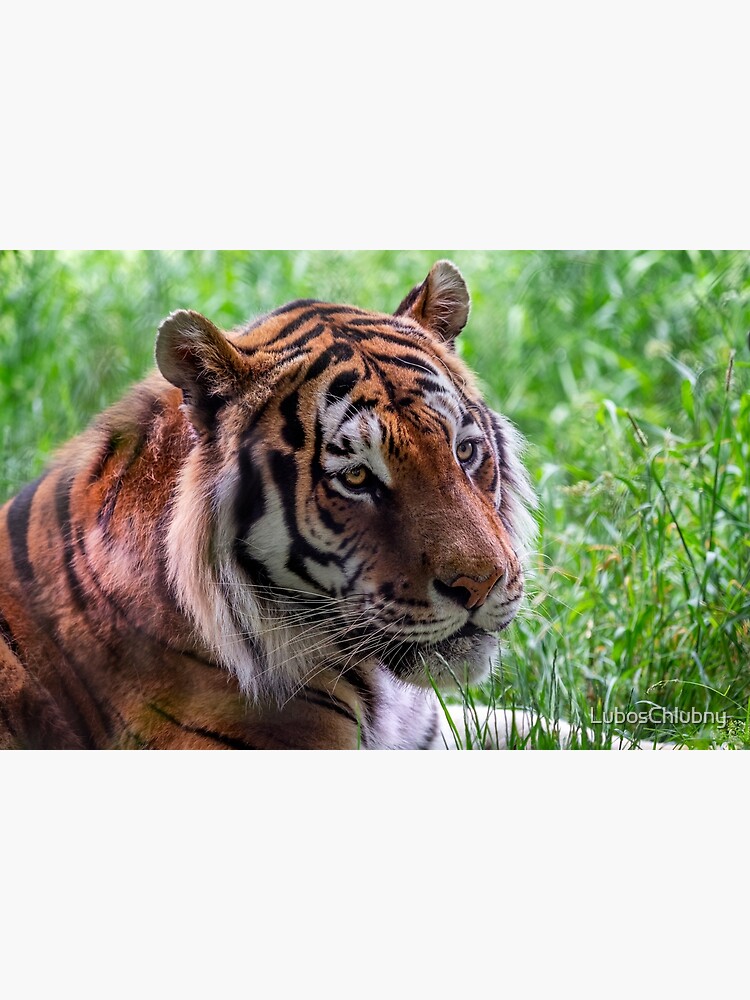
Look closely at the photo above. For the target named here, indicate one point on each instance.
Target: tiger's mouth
(466, 656)
(466, 641)
(468, 630)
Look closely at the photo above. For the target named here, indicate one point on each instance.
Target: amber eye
(355, 477)
(465, 451)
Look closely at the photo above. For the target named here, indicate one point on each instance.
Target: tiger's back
(277, 541)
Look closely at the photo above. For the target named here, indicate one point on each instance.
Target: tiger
(291, 535)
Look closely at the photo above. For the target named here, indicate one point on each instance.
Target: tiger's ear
(196, 356)
(441, 303)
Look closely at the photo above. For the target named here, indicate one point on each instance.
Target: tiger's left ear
(197, 357)
(441, 303)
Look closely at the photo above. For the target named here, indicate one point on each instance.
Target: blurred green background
(626, 371)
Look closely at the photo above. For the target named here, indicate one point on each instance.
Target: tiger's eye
(355, 477)
(465, 451)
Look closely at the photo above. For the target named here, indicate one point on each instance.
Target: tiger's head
(349, 496)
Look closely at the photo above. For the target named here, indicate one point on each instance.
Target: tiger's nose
(477, 590)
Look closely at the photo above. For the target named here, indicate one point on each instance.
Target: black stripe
(7, 636)
(333, 449)
(497, 433)
(327, 517)
(290, 307)
(427, 740)
(252, 568)
(249, 327)
(107, 508)
(377, 367)
(227, 741)
(258, 415)
(250, 502)
(62, 509)
(293, 326)
(323, 307)
(337, 352)
(483, 417)
(317, 473)
(430, 385)
(431, 422)
(19, 515)
(290, 327)
(356, 330)
(352, 582)
(285, 475)
(41, 725)
(340, 349)
(400, 657)
(413, 362)
(81, 602)
(386, 324)
(445, 430)
(344, 383)
(114, 442)
(352, 409)
(74, 711)
(294, 347)
(364, 691)
(293, 431)
(324, 699)
(389, 335)
(395, 360)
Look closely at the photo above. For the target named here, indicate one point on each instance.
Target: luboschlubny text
(658, 716)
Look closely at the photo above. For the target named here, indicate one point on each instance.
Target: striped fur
(279, 540)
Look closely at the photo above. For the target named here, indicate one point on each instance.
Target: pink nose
(478, 590)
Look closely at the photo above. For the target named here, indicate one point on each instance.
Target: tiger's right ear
(197, 357)
(441, 303)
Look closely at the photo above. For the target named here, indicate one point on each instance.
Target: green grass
(627, 371)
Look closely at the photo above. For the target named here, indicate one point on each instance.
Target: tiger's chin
(457, 661)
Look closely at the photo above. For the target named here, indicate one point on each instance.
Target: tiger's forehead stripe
(291, 329)
(325, 333)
